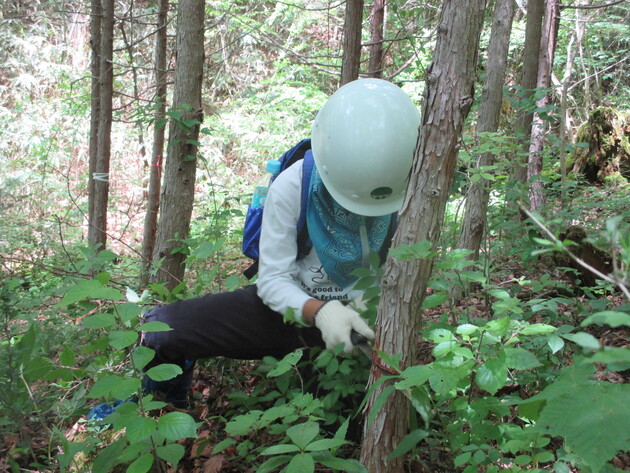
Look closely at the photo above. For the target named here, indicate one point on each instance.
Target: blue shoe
(101, 411)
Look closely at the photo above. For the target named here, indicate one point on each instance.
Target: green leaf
(302, 463)
(154, 326)
(164, 372)
(37, 368)
(114, 386)
(520, 359)
(177, 425)
(98, 321)
(243, 424)
(594, 420)
(141, 356)
(339, 464)
(120, 339)
(273, 464)
(434, 300)
(67, 357)
(141, 464)
(617, 358)
(466, 329)
(324, 444)
(406, 444)
(537, 329)
(140, 428)
(172, 453)
(89, 289)
(285, 364)
(303, 434)
(492, 375)
(608, 317)
(583, 339)
(413, 376)
(280, 449)
(555, 343)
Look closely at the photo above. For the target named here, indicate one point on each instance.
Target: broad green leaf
(594, 420)
(409, 442)
(89, 289)
(492, 375)
(440, 335)
(67, 357)
(339, 464)
(302, 463)
(120, 339)
(164, 372)
(617, 358)
(555, 343)
(608, 317)
(177, 425)
(128, 312)
(413, 376)
(108, 457)
(571, 378)
(37, 368)
(303, 434)
(98, 321)
(172, 453)
(243, 424)
(114, 386)
(324, 444)
(280, 449)
(444, 380)
(273, 464)
(466, 329)
(583, 339)
(434, 300)
(140, 428)
(141, 356)
(520, 359)
(154, 326)
(141, 464)
(285, 364)
(537, 329)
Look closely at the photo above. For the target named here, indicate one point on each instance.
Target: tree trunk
(179, 173)
(377, 21)
(95, 97)
(97, 232)
(474, 222)
(531, 53)
(539, 125)
(155, 168)
(352, 41)
(448, 98)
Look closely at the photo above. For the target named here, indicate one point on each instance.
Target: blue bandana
(336, 233)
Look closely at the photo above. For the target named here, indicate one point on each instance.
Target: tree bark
(531, 53)
(155, 168)
(97, 232)
(476, 207)
(352, 41)
(179, 173)
(377, 22)
(95, 97)
(539, 124)
(448, 98)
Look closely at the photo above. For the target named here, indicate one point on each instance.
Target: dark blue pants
(233, 324)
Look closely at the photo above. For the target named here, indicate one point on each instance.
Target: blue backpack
(253, 219)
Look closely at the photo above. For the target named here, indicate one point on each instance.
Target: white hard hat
(363, 141)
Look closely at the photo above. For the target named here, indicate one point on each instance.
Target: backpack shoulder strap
(304, 243)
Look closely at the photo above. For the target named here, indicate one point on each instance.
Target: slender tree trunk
(531, 53)
(178, 191)
(95, 98)
(539, 125)
(97, 233)
(155, 168)
(377, 22)
(448, 98)
(352, 41)
(564, 112)
(474, 222)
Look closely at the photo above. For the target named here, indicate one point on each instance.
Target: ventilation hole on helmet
(381, 193)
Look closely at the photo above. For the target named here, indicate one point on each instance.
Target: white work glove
(336, 323)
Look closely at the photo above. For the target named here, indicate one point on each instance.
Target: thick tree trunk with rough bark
(474, 222)
(352, 41)
(178, 190)
(377, 22)
(529, 78)
(448, 98)
(539, 125)
(97, 230)
(155, 168)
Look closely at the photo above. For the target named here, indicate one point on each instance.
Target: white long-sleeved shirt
(283, 281)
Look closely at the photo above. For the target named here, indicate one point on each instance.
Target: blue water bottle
(262, 187)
